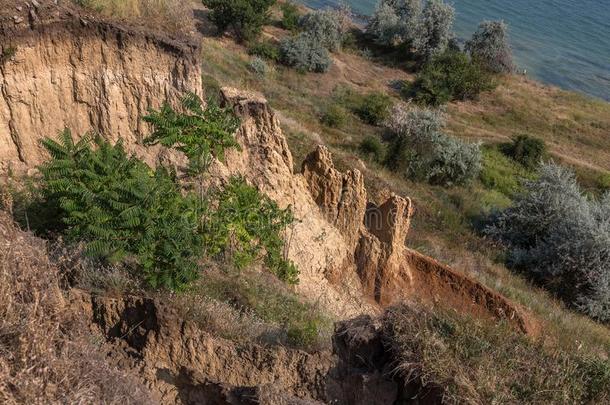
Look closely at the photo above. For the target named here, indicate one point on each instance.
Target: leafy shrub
(489, 46)
(258, 66)
(201, 134)
(527, 150)
(411, 122)
(265, 50)
(450, 76)
(245, 222)
(290, 16)
(245, 17)
(500, 173)
(246, 225)
(394, 22)
(385, 26)
(123, 210)
(374, 108)
(372, 148)
(334, 116)
(421, 152)
(560, 238)
(324, 27)
(304, 53)
(434, 29)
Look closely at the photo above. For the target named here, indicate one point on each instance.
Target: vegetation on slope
(46, 354)
(448, 218)
(168, 15)
(573, 128)
(125, 211)
(473, 362)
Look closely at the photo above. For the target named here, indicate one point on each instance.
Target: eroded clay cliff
(351, 252)
(64, 69)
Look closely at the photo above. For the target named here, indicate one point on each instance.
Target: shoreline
(360, 20)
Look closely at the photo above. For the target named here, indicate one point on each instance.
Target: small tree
(395, 21)
(561, 238)
(245, 17)
(290, 16)
(324, 27)
(434, 29)
(304, 53)
(489, 46)
(447, 77)
(200, 133)
(422, 152)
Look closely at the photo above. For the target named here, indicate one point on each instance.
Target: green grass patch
(500, 173)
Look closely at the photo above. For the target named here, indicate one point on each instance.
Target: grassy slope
(575, 127)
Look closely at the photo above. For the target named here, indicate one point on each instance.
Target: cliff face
(62, 70)
(316, 244)
(350, 251)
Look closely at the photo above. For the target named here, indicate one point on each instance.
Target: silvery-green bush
(385, 26)
(421, 151)
(325, 27)
(304, 53)
(489, 46)
(560, 237)
(259, 66)
(434, 29)
(394, 21)
(415, 121)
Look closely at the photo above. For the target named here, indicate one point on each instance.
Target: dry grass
(478, 363)
(575, 127)
(46, 355)
(170, 15)
(253, 306)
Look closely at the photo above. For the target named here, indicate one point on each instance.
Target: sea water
(561, 42)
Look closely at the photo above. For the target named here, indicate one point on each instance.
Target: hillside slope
(370, 244)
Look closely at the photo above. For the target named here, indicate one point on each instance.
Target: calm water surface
(560, 42)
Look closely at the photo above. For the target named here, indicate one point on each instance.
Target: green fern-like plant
(122, 209)
(200, 133)
(247, 225)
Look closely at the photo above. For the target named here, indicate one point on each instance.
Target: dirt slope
(47, 354)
